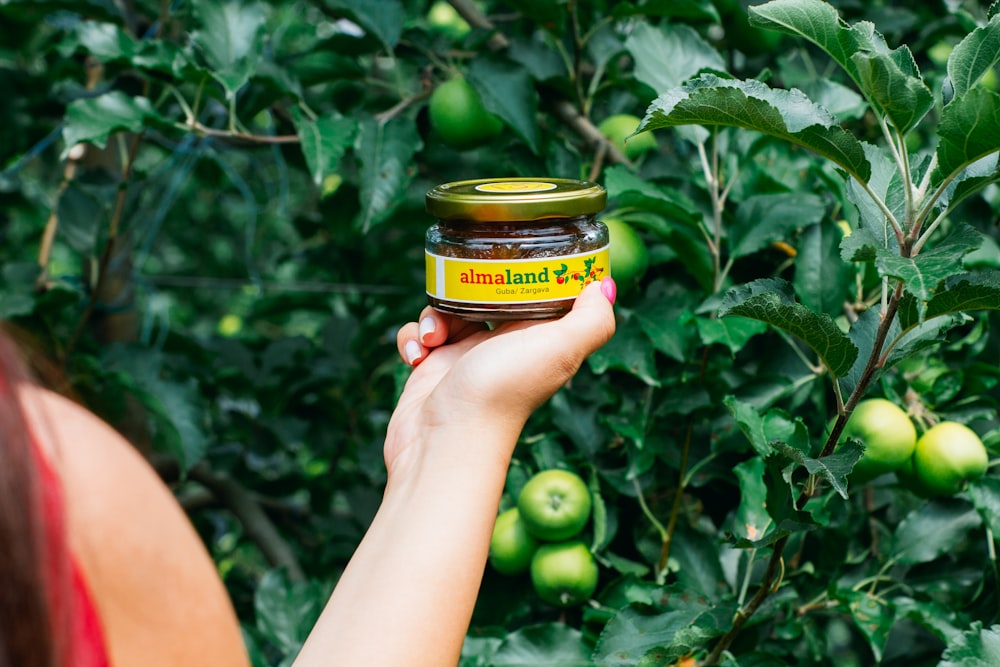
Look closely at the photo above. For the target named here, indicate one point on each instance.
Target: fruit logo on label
(589, 274)
(517, 186)
(514, 280)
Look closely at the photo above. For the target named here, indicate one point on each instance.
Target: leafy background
(212, 222)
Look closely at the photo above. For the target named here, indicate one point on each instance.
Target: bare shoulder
(156, 588)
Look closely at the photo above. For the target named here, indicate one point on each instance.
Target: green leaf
(578, 421)
(985, 495)
(971, 180)
(862, 334)
(548, 645)
(987, 256)
(783, 491)
(629, 350)
(323, 142)
(894, 84)
(549, 14)
(689, 639)
(834, 468)
(763, 219)
(17, 288)
(106, 41)
(860, 246)
(477, 650)
(944, 621)
(821, 278)
(603, 45)
(814, 20)
(699, 565)
(668, 330)
(386, 152)
(508, 92)
(93, 120)
(179, 406)
(920, 336)
(760, 429)
(688, 244)
(975, 55)
(751, 520)
(923, 273)
(969, 130)
(636, 629)
(286, 611)
(838, 99)
(105, 9)
(670, 54)
(973, 648)
(230, 39)
(908, 335)
(884, 180)
(732, 332)
(693, 9)
(626, 190)
(383, 19)
(967, 292)
(179, 420)
(684, 399)
(541, 61)
(819, 22)
(779, 498)
(873, 616)
(81, 217)
(601, 524)
(787, 115)
(933, 529)
(888, 78)
(770, 300)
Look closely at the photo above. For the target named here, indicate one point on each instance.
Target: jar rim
(515, 199)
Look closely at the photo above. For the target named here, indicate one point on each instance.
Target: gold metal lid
(514, 199)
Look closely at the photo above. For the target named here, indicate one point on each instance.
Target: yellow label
(517, 186)
(488, 281)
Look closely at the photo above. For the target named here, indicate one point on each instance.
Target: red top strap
(80, 631)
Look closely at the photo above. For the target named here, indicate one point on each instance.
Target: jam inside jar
(517, 248)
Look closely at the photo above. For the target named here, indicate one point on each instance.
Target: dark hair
(33, 559)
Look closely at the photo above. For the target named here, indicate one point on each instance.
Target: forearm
(408, 593)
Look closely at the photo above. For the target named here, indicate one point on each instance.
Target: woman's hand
(469, 377)
(408, 593)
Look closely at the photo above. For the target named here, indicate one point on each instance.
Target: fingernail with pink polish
(412, 351)
(609, 288)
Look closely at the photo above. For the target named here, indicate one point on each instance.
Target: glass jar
(514, 248)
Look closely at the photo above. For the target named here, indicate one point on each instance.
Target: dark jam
(506, 249)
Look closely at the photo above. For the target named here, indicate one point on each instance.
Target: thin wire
(180, 169)
(40, 147)
(252, 208)
(211, 282)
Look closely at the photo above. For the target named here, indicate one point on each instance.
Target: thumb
(591, 321)
(548, 354)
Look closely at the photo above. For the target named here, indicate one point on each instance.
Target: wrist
(458, 448)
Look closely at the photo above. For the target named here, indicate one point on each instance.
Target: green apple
(444, 18)
(511, 545)
(887, 434)
(947, 456)
(555, 504)
(564, 573)
(989, 80)
(619, 126)
(629, 256)
(459, 117)
(940, 52)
